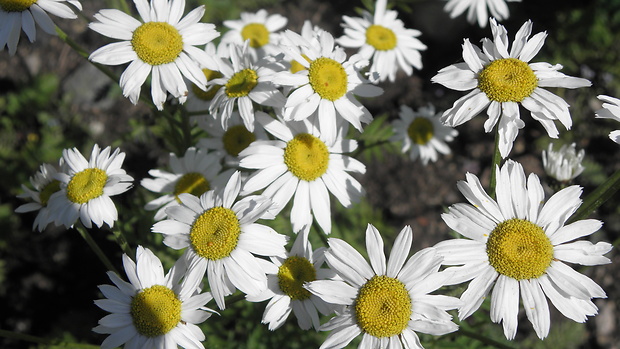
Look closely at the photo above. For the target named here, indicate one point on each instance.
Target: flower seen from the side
(200, 99)
(565, 164)
(260, 29)
(477, 10)
(501, 80)
(45, 184)
(610, 110)
(517, 248)
(385, 302)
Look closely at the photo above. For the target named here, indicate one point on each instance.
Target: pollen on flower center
(306, 156)
(86, 185)
(292, 274)
(420, 131)
(47, 191)
(383, 307)
(215, 233)
(237, 138)
(211, 90)
(157, 43)
(381, 38)
(155, 311)
(16, 5)
(328, 78)
(193, 183)
(257, 33)
(519, 249)
(507, 80)
(241, 83)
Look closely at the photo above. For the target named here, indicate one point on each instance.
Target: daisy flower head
(221, 234)
(154, 310)
(565, 164)
(18, 15)
(384, 39)
(260, 29)
(196, 172)
(422, 133)
(162, 45)
(500, 80)
(45, 184)
(200, 99)
(302, 164)
(610, 110)
(286, 277)
(327, 86)
(244, 82)
(385, 302)
(517, 247)
(87, 185)
(477, 10)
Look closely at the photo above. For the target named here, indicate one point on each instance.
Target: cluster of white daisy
(277, 106)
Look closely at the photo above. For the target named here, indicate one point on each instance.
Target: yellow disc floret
(421, 131)
(47, 191)
(507, 80)
(155, 311)
(215, 233)
(306, 156)
(241, 83)
(237, 138)
(383, 307)
(193, 183)
(381, 38)
(292, 274)
(328, 78)
(212, 90)
(157, 43)
(257, 33)
(16, 5)
(296, 66)
(86, 185)
(519, 249)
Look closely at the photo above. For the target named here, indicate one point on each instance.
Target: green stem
(122, 241)
(24, 337)
(93, 245)
(595, 199)
(497, 160)
(483, 339)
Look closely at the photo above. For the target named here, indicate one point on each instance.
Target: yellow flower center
(157, 43)
(383, 307)
(519, 249)
(47, 191)
(328, 78)
(86, 185)
(193, 183)
(16, 5)
(306, 156)
(296, 66)
(420, 131)
(257, 33)
(292, 274)
(155, 311)
(237, 138)
(212, 90)
(507, 80)
(241, 83)
(381, 38)
(215, 233)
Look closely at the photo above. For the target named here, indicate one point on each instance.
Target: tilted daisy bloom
(162, 45)
(86, 187)
(387, 303)
(384, 39)
(196, 172)
(245, 81)
(479, 9)
(260, 28)
(301, 163)
(610, 110)
(18, 15)
(422, 133)
(565, 164)
(45, 184)
(500, 81)
(154, 310)
(200, 99)
(327, 87)
(517, 247)
(221, 235)
(285, 279)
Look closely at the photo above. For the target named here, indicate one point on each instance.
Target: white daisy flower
(477, 10)
(260, 28)
(45, 184)
(517, 246)
(162, 45)
(301, 163)
(87, 185)
(387, 303)
(610, 110)
(222, 235)
(199, 99)
(565, 164)
(195, 173)
(327, 87)
(18, 15)
(384, 39)
(244, 82)
(154, 310)
(422, 133)
(501, 81)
